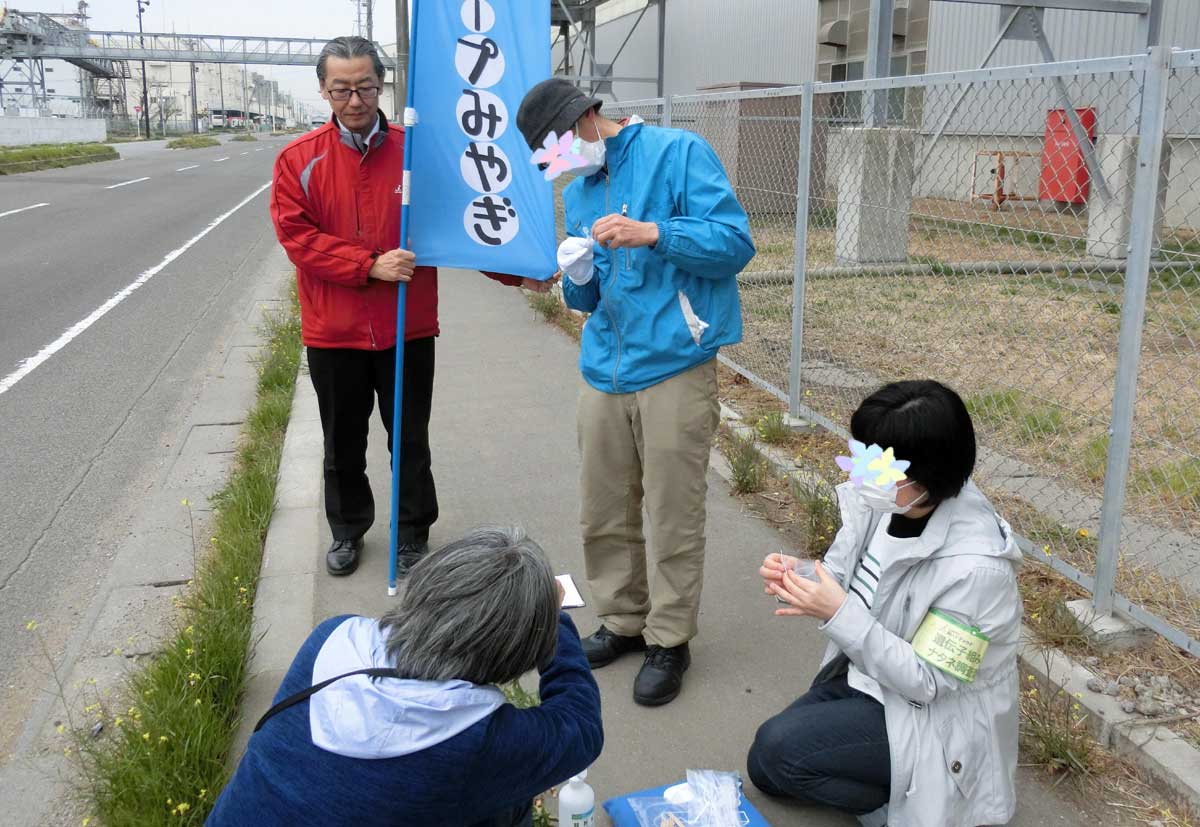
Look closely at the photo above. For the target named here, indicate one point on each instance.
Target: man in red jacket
(336, 208)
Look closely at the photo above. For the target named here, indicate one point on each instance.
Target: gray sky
(278, 18)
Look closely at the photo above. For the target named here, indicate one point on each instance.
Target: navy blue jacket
(499, 763)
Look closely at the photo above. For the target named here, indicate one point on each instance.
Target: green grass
(193, 142)
(819, 515)
(773, 429)
(1042, 242)
(52, 156)
(1178, 480)
(749, 470)
(1011, 408)
(551, 308)
(1054, 732)
(165, 759)
(244, 136)
(1095, 457)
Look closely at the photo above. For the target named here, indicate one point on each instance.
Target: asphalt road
(109, 305)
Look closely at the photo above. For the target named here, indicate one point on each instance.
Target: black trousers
(829, 747)
(347, 383)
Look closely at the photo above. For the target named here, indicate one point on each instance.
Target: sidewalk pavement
(504, 451)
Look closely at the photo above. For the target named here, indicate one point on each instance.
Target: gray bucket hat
(553, 105)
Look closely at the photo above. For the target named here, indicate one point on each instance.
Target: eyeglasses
(367, 93)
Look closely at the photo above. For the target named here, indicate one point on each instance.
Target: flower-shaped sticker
(887, 470)
(872, 464)
(559, 154)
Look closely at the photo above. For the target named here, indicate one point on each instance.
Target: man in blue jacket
(656, 240)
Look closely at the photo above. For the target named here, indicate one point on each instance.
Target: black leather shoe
(605, 646)
(342, 557)
(661, 676)
(407, 556)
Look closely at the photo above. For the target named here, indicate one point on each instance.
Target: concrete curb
(1170, 761)
(283, 605)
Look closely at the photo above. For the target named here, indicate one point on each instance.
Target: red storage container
(1064, 175)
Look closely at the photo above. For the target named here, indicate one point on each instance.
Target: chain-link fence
(1027, 235)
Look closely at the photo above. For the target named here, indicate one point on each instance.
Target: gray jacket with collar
(953, 745)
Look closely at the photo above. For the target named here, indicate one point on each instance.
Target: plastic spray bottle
(577, 803)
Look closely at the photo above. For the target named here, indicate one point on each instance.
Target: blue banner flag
(477, 202)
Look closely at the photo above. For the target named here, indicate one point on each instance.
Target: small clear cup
(806, 569)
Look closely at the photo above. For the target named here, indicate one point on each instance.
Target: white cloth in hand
(575, 259)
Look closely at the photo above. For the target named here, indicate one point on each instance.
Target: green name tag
(950, 645)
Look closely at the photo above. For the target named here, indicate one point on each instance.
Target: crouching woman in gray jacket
(912, 719)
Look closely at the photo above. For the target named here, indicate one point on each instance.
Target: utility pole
(221, 84)
(370, 20)
(195, 111)
(245, 102)
(400, 75)
(142, 5)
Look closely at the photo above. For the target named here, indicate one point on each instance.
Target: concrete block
(304, 404)
(300, 474)
(283, 618)
(291, 538)
(135, 621)
(241, 363)
(205, 459)
(1109, 218)
(875, 190)
(1109, 633)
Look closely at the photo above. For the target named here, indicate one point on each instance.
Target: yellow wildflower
(31, 625)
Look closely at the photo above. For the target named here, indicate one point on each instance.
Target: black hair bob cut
(926, 423)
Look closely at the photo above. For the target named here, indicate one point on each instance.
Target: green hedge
(14, 159)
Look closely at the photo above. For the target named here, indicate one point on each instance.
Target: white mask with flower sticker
(875, 474)
(883, 499)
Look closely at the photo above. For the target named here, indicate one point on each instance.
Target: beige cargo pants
(647, 448)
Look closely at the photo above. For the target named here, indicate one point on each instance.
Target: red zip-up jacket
(333, 208)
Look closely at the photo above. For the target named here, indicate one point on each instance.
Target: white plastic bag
(709, 799)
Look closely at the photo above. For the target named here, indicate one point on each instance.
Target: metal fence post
(800, 252)
(1151, 135)
(667, 102)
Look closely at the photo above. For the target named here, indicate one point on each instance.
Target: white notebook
(571, 598)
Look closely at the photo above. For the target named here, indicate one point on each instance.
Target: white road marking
(260, 149)
(27, 366)
(23, 209)
(127, 183)
(185, 169)
(247, 152)
(219, 160)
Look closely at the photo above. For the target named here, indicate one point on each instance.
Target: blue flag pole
(401, 303)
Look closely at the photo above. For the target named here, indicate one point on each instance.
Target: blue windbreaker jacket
(656, 312)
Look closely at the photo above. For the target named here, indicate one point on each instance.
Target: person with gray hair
(399, 721)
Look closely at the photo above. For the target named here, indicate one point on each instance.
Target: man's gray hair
(348, 48)
(483, 609)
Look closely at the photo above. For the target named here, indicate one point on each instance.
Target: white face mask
(593, 152)
(884, 500)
